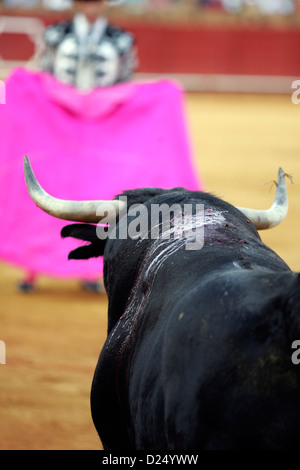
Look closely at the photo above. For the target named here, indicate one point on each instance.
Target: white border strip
(228, 83)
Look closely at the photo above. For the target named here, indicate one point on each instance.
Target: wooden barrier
(229, 50)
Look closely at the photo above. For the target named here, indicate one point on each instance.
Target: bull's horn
(76, 211)
(264, 219)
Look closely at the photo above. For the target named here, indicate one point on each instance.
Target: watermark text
(2, 353)
(157, 222)
(296, 94)
(2, 92)
(296, 354)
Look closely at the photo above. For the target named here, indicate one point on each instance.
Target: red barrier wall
(249, 51)
(175, 48)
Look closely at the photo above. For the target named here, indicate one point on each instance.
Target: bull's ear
(86, 233)
(85, 252)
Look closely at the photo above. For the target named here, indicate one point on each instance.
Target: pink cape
(82, 146)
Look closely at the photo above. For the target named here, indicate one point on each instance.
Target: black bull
(198, 352)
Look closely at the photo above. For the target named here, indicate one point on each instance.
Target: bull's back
(202, 364)
(229, 381)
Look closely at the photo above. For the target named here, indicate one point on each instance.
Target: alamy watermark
(296, 94)
(2, 92)
(159, 222)
(2, 353)
(296, 354)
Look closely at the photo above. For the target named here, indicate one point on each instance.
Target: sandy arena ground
(53, 336)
